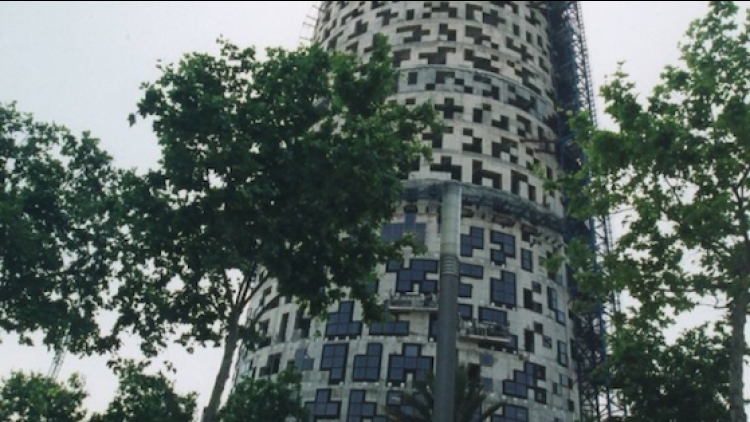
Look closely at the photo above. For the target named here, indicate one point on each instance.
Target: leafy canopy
(265, 400)
(58, 229)
(146, 398)
(282, 169)
(37, 398)
(677, 172)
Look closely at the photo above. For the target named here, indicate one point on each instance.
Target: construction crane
(57, 361)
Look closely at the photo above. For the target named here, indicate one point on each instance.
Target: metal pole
(445, 370)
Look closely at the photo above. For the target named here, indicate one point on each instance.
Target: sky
(80, 64)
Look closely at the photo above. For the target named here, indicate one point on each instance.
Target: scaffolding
(574, 91)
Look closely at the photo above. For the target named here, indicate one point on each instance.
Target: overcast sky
(80, 64)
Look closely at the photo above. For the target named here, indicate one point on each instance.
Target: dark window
(465, 311)
(367, 366)
(528, 341)
(565, 381)
(513, 389)
(506, 241)
(464, 290)
(283, 327)
(528, 301)
(562, 353)
(474, 240)
(493, 315)
(503, 290)
(547, 342)
(391, 328)
(395, 231)
(334, 359)
(359, 408)
(471, 270)
(554, 305)
(323, 407)
(497, 257)
(556, 389)
(527, 260)
(539, 372)
(302, 361)
(342, 324)
(512, 413)
(415, 275)
(540, 395)
(411, 361)
(413, 78)
(536, 287)
(274, 364)
(486, 359)
(301, 326)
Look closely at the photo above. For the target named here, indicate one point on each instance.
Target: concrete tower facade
(487, 68)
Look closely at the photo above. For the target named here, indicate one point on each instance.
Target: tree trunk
(736, 356)
(230, 346)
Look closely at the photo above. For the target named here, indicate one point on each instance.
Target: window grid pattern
(392, 232)
(473, 241)
(503, 290)
(524, 380)
(493, 315)
(342, 324)
(465, 290)
(553, 303)
(410, 361)
(333, 359)
(527, 260)
(302, 361)
(471, 271)
(359, 408)
(512, 413)
(323, 407)
(465, 311)
(507, 243)
(562, 353)
(415, 275)
(486, 359)
(390, 328)
(367, 366)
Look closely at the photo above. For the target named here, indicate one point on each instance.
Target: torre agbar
(499, 73)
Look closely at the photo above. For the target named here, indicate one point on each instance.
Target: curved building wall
(486, 67)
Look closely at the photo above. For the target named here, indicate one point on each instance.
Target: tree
(146, 398)
(265, 400)
(58, 231)
(280, 169)
(418, 405)
(687, 380)
(677, 169)
(36, 398)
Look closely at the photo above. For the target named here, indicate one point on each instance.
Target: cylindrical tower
(486, 67)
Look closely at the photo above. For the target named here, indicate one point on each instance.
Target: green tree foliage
(418, 405)
(36, 398)
(57, 231)
(146, 398)
(678, 170)
(281, 169)
(686, 380)
(265, 400)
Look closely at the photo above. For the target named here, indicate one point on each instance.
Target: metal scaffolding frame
(575, 93)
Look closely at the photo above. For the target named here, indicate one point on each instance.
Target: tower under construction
(503, 75)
